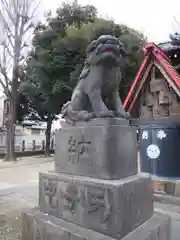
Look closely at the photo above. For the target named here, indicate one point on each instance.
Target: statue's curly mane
(95, 43)
(90, 48)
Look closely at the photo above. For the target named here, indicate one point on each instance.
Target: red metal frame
(150, 50)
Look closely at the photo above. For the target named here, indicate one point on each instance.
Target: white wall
(25, 134)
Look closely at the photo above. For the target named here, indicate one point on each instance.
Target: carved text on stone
(78, 149)
(95, 201)
(71, 197)
(50, 188)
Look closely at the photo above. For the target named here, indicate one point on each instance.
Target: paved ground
(25, 171)
(18, 192)
(174, 212)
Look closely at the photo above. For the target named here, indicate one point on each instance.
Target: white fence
(26, 143)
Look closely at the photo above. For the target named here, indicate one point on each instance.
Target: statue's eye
(103, 41)
(111, 42)
(92, 46)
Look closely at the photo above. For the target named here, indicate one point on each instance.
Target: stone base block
(37, 225)
(111, 207)
(101, 148)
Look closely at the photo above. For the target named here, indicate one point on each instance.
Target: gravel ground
(18, 192)
(12, 205)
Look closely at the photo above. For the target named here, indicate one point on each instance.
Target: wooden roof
(154, 55)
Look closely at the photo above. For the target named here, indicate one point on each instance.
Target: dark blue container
(159, 143)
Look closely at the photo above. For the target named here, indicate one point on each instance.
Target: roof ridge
(162, 58)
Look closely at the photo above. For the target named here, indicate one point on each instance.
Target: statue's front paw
(125, 115)
(85, 116)
(107, 114)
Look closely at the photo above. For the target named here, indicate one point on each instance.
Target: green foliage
(75, 14)
(47, 83)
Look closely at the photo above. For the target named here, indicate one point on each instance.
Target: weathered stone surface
(39, 226)
(156, 228)
(101, 148)
(97, 91)
(113, 208)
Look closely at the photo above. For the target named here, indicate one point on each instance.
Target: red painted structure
(152, 53)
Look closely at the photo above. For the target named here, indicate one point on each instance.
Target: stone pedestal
(95, 191)
(39, 226)
(104, 149)
(97, 204)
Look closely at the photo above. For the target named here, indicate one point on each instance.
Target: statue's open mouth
(111, 50)
(108, 50)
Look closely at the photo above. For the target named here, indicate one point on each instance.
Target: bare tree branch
(28, 27)
(7, 48)
(3, 68)
(6, 28)
(7, 9)
(6, 92)
(176, 21)
(16, 20)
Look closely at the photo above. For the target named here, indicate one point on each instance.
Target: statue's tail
(65, 111)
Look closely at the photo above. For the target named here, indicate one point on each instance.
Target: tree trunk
(10, 132)
(48, 135)
(11, 116)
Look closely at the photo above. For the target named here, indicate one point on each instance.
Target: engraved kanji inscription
(70, 196)
(95, 201)
(78, 149)
(37, 234)
(50, 188)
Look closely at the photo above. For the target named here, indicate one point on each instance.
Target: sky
(152, 17)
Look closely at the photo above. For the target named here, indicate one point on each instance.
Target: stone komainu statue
(96, 94)
(175, 39)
